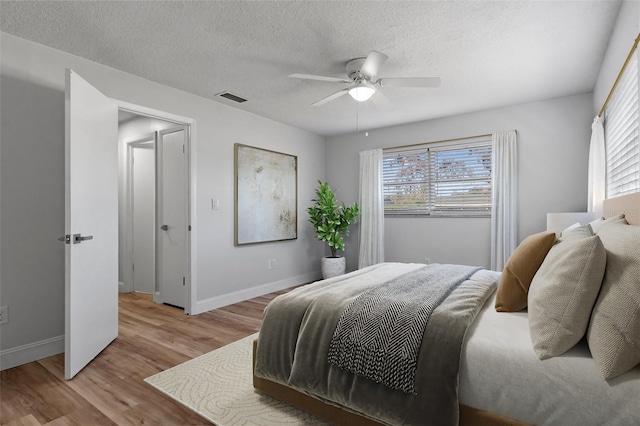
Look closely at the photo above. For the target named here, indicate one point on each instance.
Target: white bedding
(500, 373)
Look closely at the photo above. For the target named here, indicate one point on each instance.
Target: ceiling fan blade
(381, 101)
(373, 63)
(320, 77)
(410, 82)
(330, 97)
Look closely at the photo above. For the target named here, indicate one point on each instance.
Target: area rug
(219, 387)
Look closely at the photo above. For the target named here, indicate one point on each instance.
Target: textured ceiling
(488, 53)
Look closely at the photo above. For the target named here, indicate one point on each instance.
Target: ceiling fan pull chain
(366, 110)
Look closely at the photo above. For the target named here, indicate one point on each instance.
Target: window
(438, 179)
(621, 125)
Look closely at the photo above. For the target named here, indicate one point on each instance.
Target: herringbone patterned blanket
(298, 327)
(379, 335)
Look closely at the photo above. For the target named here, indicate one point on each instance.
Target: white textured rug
(219, 387)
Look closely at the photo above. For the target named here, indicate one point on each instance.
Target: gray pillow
(563, 292)
(614, 329)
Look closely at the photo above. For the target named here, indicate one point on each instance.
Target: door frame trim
(190, 124)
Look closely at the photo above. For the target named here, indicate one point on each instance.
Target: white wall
(32, 185)
(553, 141)
(624, 34)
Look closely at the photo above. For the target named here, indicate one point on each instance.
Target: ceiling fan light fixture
(362, 92)
(361, 73)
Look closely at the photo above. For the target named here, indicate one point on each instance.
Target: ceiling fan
(362, 74)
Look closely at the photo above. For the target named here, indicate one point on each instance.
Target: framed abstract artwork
(266, 195)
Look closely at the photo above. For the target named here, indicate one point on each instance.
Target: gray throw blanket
(379, 335)
(298, 327)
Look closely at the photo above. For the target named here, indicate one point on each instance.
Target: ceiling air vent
(231, 97)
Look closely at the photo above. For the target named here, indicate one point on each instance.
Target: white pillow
(563, 292)
(570, 227)
(576, 232)
(614, 329)
(598, 224)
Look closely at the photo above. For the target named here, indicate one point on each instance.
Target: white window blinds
(446, 179)
(621, 127)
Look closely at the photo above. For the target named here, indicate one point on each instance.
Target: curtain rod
(443, 140)
(615, 83)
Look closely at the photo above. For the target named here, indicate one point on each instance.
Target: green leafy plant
(331, 220)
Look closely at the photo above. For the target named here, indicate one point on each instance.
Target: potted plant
(331, 222)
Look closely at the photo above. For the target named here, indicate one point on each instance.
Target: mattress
(500, 373)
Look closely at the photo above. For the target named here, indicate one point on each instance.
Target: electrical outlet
(4, 314)
(273, 264)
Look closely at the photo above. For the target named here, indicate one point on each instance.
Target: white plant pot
(333, 266)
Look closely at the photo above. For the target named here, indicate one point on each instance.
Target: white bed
(501, 378)
(501, 374)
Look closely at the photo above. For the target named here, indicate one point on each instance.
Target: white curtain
(371, 241)
(504, 198)
(597, 168)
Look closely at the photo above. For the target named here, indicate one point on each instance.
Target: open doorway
(154, 207)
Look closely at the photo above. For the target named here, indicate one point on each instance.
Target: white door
(144, 206)
(172, 213)
(91, 223)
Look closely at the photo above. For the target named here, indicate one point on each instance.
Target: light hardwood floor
(110, 390)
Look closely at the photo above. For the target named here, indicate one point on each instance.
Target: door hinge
(189, 228)
(183, 280)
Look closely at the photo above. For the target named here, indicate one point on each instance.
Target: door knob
(164, 227)
(77, 238)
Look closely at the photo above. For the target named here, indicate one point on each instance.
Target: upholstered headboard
(627, 204)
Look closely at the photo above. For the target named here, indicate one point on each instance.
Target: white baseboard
(249, 293)
(20, 355)
(25, 354)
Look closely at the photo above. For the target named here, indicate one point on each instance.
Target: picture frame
(266, 195)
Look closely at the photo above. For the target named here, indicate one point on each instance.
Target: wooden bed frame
(628, 204)
(340, 416)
